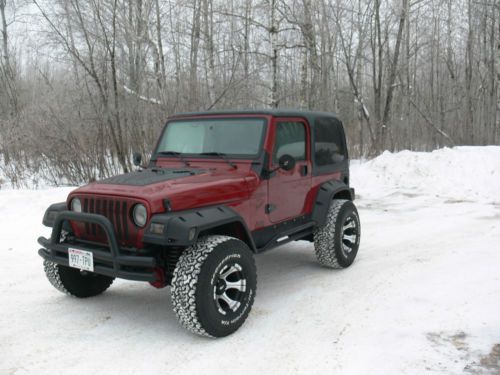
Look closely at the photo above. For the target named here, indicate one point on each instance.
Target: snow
(461, 173)
(422, 296)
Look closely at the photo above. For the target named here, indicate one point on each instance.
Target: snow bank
(460, 173)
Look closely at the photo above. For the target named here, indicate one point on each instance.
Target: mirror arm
(267, 173)
(274, 170)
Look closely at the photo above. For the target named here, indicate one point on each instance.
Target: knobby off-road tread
(324, 237)
(186, 278)
(52, 273)
(82, 287)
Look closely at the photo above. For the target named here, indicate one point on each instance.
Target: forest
(84, 83)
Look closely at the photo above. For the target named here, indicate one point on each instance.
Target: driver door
(287, 190)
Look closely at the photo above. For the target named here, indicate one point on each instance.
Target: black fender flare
(50, 215)
(326, 193)
(182, 228)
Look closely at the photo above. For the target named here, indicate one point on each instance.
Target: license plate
(81, 259)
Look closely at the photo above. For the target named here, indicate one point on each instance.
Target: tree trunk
(246, 50)
(303, 81)
(392, 76)
(162, 75)
(469, 138)
(6, 64)
(495, 66)
(309, 35)
(377, 69)
(121, 149)
(195, 43)
(209, 48)
(273, 37)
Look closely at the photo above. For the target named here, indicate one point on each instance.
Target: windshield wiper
(221, 155)
(177, 154)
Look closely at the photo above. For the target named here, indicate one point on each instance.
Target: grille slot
(113, 209)
(86, 209)
(118, 222)
(125, 219)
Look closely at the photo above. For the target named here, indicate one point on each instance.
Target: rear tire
(214, 286)
(81, 284)
(336, 243)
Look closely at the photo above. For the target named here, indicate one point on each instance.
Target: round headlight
(140, 215)
(76, 205)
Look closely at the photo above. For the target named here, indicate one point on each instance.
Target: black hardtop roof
(311, 116)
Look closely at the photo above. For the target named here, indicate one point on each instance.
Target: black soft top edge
(309, 115)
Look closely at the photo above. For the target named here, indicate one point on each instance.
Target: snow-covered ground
(422, 297)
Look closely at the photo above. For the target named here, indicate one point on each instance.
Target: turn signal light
(156, 228)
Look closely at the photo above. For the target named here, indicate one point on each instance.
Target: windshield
(233, 137)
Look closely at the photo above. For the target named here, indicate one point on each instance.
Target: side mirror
(286, 162)
(137, 159)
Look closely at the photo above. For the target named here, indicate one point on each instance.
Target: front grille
(115, 210)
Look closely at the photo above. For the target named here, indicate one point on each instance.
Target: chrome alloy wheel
(230, 288)
(350, 233)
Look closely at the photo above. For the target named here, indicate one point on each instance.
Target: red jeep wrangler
(220, 186)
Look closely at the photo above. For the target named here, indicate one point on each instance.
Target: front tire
(214, 286)
(74, 282)
(336, 243)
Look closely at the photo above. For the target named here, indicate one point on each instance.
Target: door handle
(269, 208)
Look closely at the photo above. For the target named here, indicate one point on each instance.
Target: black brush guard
(109, 260)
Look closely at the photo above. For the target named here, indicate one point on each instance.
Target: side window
(328, 142)
(290, 140)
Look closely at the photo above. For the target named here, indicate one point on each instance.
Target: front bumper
(109, 259)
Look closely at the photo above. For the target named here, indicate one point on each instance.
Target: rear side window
(290, 140)
(329, 147)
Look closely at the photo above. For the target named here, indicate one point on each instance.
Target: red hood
(184, 188)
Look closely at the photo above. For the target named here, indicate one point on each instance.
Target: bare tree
(273, 37)
(469, 113)
(7, 71)
(415, 74)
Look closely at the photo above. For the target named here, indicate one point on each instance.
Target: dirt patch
(453, 346)
(492, 360)
(453, 201)
(493, 217)
(411, 195)
(474, 363)
(422, 260)
(457, 339)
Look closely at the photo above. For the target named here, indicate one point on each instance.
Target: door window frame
(274, 128)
